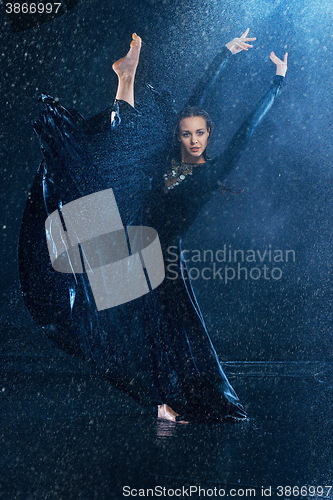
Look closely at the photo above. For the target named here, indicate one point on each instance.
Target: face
(193, 138)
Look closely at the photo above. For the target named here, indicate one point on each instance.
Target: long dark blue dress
(155, 347)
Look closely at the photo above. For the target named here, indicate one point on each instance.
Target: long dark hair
(188, 112)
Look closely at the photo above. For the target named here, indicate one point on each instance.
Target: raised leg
(125, 69)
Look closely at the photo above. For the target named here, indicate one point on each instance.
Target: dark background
(286, 172)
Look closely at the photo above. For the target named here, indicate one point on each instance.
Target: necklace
(177, 174)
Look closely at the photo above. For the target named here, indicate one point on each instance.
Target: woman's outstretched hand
(238, 44)
(281, 66)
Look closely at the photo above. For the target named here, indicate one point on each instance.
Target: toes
(136, 40)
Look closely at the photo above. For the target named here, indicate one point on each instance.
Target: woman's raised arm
(225, 162)
(219, 62)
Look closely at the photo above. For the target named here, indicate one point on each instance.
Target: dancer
(155, 348)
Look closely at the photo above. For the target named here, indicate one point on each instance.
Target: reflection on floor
(67, 434)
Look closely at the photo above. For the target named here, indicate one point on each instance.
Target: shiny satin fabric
(154, 347)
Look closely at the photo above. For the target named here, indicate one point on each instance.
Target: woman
(156, 347)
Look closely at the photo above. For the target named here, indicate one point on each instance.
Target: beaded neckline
(177, 173)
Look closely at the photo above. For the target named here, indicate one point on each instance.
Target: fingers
(245, 46)
(241, 44)
(277, 60)
(273, 58)
(244, 38)
(238, 47)
(238, 44)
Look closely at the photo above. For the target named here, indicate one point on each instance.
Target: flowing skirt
(151, 343)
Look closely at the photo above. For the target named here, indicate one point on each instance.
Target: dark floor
(67, 434)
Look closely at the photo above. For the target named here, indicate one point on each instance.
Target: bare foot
(127, 65)
(167, 413)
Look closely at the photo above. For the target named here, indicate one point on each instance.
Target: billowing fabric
(156, 348)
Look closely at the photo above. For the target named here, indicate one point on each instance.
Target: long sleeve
(184, 202)
(207, 81)
(222, 165)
